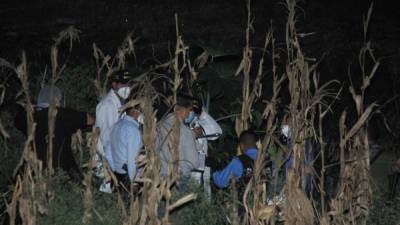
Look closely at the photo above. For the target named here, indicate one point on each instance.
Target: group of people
(120, 141)
(120, 135)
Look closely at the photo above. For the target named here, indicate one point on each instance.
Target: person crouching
(240, 167)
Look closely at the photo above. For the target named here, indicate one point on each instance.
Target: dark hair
(248, 138)
(184, 101)
(136, 107)
(197, 106)
(123, 76)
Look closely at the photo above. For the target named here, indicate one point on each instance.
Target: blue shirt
(125, 143)
(235, 168)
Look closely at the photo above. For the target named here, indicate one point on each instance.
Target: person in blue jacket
(240, 165)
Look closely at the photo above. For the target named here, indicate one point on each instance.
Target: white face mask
(189, 119)
(285, 130)
(124, 92)
(140, 118)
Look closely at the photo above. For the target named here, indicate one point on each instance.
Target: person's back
(67, 122)
(125, 144)
(188, 156)
(241, 167)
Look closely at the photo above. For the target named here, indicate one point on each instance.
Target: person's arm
(20, 119)
(134, 143)
(72, 119)
(90, 120)
(221, 178)
(209, 125)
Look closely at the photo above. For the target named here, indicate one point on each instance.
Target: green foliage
(67, 205)
(201, 211)
(384, 211)
(78, 87)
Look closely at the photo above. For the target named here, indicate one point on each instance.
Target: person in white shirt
(107, 111)
(205, 128)
(125, 144)
(107, 115)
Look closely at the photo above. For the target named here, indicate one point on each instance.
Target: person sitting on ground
(125, 143)
(188, 155)
(240, 167)
(67, 122)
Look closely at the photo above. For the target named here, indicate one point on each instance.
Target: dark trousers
(123, 181)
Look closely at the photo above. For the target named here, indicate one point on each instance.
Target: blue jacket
(235, 168)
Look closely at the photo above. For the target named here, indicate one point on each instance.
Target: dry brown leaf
(182, 201)
(265, 212)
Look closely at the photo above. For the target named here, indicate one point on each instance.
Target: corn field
(341, 190)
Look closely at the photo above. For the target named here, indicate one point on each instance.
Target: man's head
(197, 107)
(183, 107)
(49, 94)
(247, 139)
(119, 82)
(136, 112)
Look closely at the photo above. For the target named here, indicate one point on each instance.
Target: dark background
(30, 25)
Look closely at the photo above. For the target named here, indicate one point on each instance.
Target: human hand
(197, 132)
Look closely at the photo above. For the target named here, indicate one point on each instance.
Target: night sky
(31, 25)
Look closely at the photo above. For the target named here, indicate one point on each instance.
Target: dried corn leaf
(182, 201)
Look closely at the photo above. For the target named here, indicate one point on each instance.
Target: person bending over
(240, 167)
(67, 122)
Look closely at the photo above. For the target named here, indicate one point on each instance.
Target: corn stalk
(305, 96)
(105, 64)
(30, 188)
(153, 187)
(244, 68)
(259, 211)
(180, 60)
(87, 181)
(71, 34)
(353, 198)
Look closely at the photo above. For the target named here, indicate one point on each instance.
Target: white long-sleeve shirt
(210, 126)
(125, 144)
(106, 116)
